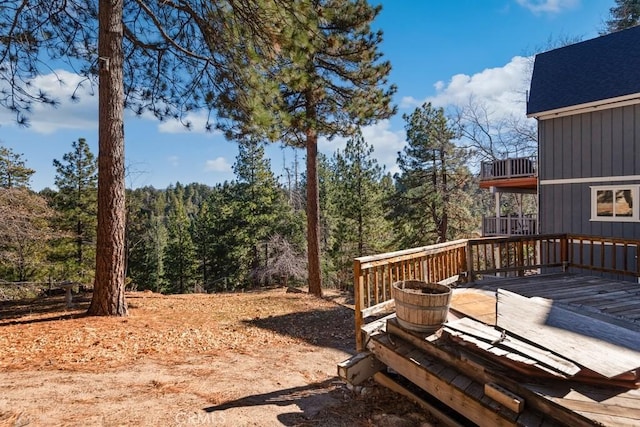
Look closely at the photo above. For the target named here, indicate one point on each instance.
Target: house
(586, 98)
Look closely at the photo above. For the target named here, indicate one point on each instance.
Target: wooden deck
(529, 350)
(456, 371)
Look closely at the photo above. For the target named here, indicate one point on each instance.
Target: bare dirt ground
(265, 358)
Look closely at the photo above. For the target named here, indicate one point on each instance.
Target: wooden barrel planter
(421, 306)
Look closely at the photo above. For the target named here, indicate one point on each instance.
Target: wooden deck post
(358, 296)
(520, 257)
(469, 260)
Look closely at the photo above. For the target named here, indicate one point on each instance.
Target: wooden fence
(469, 259)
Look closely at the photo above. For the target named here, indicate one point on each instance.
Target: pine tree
(203, 239)
(166, 58)
(430, 204)
(146, 238)
(13, 170)
(329, 79)
(229, 251)
(259, 200)
(76, 204)
(179, 255)
(361, 228)
(625, 14)
(360, 193)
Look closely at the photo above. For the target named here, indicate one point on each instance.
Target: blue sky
(440, 51)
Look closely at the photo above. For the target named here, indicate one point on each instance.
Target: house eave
(589, 107)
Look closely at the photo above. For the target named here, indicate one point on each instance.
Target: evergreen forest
(249, 232)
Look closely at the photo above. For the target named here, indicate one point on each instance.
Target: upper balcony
(517, 173)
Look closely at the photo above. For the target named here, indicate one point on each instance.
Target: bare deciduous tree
(283, 262)
(24, 230)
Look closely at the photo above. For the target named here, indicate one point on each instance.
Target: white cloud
(385, 141)
(219, 164)
(502, 89)
(60, 85)
(548, 6)
(174, 161)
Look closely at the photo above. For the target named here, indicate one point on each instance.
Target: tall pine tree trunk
(79, 242)
(444, 221)
(108, 290)
(313, 201)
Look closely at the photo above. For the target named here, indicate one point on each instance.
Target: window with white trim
(615, 203)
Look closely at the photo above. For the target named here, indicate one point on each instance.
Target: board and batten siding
(586, 147)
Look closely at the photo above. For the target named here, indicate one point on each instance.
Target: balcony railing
(509, 225)
(509, 168)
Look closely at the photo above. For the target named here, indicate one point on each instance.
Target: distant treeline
(251, 231)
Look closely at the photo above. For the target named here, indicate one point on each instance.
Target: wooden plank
(451, 396)
(495, 338)
(392, 385)
(602, 296)
(399, 256)
(461, 381)
(450, 280)
(596, 313)
(563, 282)
(478, 305)
(513, 362)
(620, 307)
(434, 366)
(379, 308)
(448, 374)
(587, 393)
(377, 325)
(359, 368)
(603, 414)
(629, 312)
(599, 408)
(504, 397)
(481, 371)
(607, 349)
(589, 290)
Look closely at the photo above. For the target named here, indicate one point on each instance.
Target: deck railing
(604, 254)
(509, 168)
(509, 225)
(374, 275)
(469, 259)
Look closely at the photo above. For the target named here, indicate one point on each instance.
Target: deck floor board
(603, 295)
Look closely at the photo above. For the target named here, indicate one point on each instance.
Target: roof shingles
(593, 70)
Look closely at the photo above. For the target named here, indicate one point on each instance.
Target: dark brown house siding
(589, 147)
